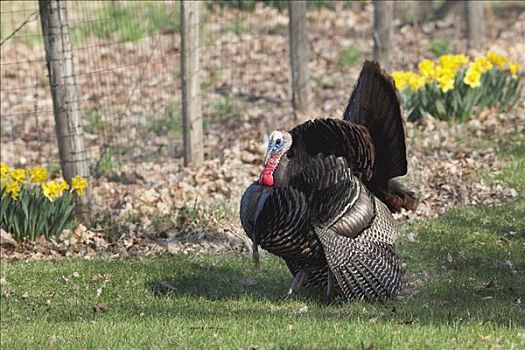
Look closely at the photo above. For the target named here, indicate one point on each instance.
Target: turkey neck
(289, 166)
(280, 174)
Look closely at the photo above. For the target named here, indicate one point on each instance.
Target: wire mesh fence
(126, 65)
(127, 69)
(127, 62)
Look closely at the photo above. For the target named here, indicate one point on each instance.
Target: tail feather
(375, 104)
(396, 196)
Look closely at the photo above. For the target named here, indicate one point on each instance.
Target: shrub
(455, 87)
(32, 205)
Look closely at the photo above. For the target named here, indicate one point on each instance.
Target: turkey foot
(329, 296)
(297, 281)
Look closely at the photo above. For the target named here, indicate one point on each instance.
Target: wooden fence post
(301, 95)
(383, 22)
(475, 15)
(66, 106)
(191, 92)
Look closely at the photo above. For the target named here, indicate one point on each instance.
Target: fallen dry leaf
(7, 241)
(100, 308)
(303, 309)
(7, 292)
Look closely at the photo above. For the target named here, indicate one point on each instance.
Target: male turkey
(315, 202)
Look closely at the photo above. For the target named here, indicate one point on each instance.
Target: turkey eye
(278, 142)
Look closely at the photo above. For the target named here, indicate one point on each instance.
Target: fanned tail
(375, 104)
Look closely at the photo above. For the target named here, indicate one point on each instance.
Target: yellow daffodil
(446, 82)
(445, 76)
(18, 175)
(427, 69)
(62, 185)
(49, 190)
(4, 174)
(415, 81)
(496, 59)
(4, 170)
(514, 69)
(482, 64)
(79, 184)
(445, 60)
(400, 78)
(53, 189)
(38, 175)
(461, 59)
(473, 77)
(13, 189)
(452, 63)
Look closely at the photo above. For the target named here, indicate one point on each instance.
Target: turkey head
(280, 142)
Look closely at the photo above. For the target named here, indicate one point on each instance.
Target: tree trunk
(298, 40)
(413, 11)
(383, 22)
(191, 92)
(475, 14)
(422, 10)
(66, 106)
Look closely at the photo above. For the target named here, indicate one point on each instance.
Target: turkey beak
(267, 157)
(269, 152)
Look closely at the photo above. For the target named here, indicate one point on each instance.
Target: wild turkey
(314, 203)
(370, 137)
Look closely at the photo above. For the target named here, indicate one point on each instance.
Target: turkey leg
(298, 281)
(329, 296)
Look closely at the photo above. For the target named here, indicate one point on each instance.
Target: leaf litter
(160, 207)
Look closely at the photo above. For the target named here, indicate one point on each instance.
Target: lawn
(465, 273)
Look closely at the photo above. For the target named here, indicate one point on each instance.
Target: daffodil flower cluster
(456, 85)
(53, 189)
(444, 72)
(13, 180)
(32, 204)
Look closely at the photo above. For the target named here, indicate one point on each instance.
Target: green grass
(249, 5)
(106, 164)
(223, 108)
(169, 123)
(440, 46)
(130, 22)
(469, 297)
(235, 26)
(348, 57)
(124, 22)
(94, 121)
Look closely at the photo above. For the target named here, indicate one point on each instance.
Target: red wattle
(267, 180)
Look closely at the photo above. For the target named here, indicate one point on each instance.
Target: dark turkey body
(299, 246)
(351, 232)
